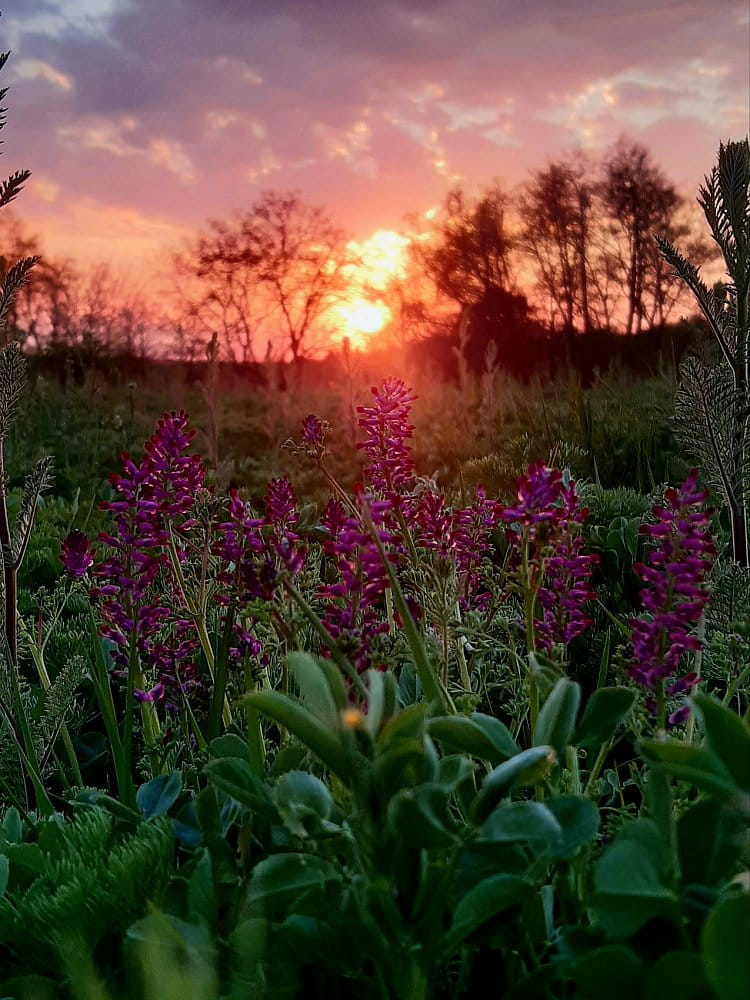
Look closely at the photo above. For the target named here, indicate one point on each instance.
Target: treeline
(537, 280)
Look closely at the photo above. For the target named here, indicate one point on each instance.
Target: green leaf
(158, 795)
(628, 888)
(420, 817)
(527, 768)
(579, 822)
(381, 699)
(228, 745)
(404, 765)
(613, 972)
(709, 839)
(303, 802)
(237, 779)
(530, 823)
(557, 718)
(4, 874)
(677, 974)
(724, 947)
(308, 729)
(201, 892)
(12, 826)
(480, 735)
(605, 711)
(283, 878)
(696, 765)
(726, 736)
(314, 687)
(481, 904)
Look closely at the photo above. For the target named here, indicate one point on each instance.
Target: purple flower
(353, 603)
(76, 554)
(313, 432)
(390, 470)
(675, 593)
(548, 547)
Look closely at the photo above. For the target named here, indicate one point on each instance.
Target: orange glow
(381, 259)
(359, 320)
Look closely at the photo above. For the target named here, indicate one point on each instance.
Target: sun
(380, 261)
(359, 320)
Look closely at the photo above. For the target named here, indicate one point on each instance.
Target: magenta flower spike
(675, 593)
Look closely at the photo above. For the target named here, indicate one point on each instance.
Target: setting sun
(359, 320)
(380, 260)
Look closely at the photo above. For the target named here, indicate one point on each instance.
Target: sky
(142, 119)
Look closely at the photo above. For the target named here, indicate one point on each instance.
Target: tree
(555, 209)
(638, 199)
(471, 261)
(218, 292)
(283, 263)
(471, 258)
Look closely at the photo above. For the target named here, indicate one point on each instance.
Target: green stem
(327, 639)
(199, 620)
(41, 669)
(598, 765)
(256, 748)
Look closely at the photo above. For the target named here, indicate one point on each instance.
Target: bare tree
(638, 199)
(555, 209)
(303, 264)
(282, 264)
(472, 256)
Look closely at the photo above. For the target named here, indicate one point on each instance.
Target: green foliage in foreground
(421, 870)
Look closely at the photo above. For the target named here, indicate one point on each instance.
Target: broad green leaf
(158, 795)
(314, 687)
(579, 822)
(405, 765)
(727, 736)
(303, 802)
(12, 826)
(308, 729)
(283, 878)
(479, 735)
(481, 904)
(613, 972)
(381, 699)
(709, 839)
(228, 745)
(421, 817)
(557, 719)
(237, 779)
(4, 874)
(201, 892)
(677, 974)
(628, 889)
(527, 768)
(696, 765)
(724, 947)
(530, 823)
(605, 711)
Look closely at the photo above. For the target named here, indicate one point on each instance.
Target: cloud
(187, 109)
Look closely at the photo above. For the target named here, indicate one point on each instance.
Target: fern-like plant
(713, 403)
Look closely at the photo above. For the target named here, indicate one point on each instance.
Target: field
(416, 672)
(399, 742)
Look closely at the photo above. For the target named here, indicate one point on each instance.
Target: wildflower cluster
(353, 604)
(546, 535)
(390, 470)
(150, 516)
(255, 550)
(674, 594)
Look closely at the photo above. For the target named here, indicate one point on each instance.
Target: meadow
(344, 679)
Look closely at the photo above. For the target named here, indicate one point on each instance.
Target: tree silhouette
(639, 200)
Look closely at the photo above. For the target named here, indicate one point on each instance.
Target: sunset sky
(140, 119)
